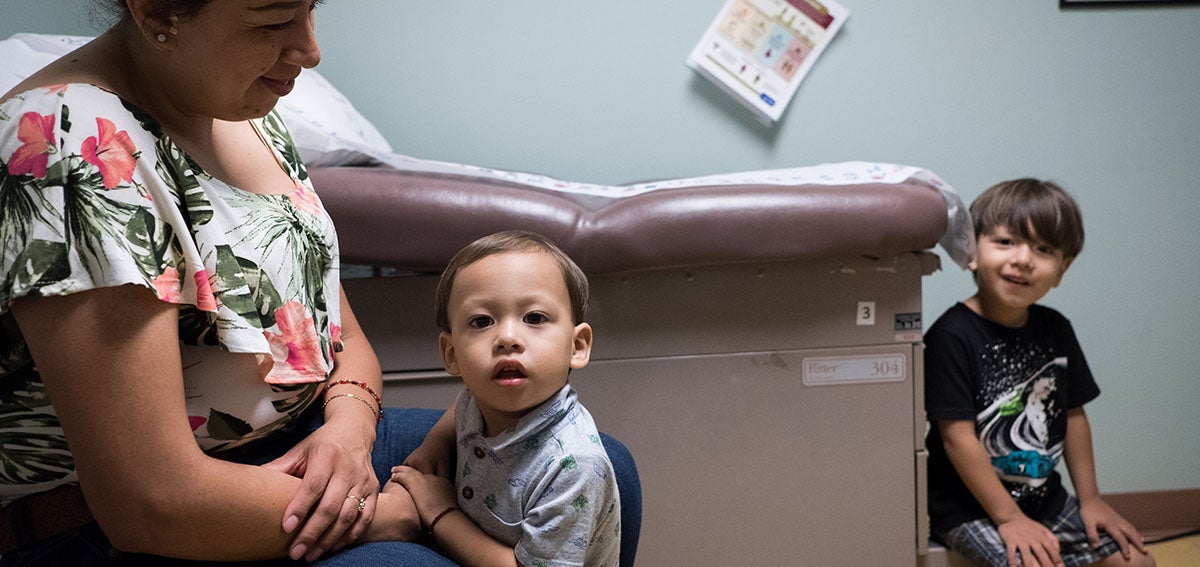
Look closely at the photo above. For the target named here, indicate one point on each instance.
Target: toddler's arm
(1037, 545)
(1095, 512)
(433, 456)
(462, 540)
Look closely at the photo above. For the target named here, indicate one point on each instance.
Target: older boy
(1006, 382)
(534, 485)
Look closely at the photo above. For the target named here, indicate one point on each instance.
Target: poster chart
(760, 50)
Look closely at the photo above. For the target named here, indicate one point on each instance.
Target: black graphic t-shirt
(1016, 385)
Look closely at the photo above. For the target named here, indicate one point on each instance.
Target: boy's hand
(1098, 515)
(432, 493)
(1036, 543)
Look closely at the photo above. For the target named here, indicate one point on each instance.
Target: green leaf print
(197, 327)
(246, 289)
(64, 118)
(579, 503)
(41, 263)
(140, 232)
(20, 386)
(302, 396)
(282, 232)
(226, 427)
(94, 221)
(179, 172)
(281, 140)
(30, 455)
(22, 201)
(277, 224)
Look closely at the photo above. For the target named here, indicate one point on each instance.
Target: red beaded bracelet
(364, 386)
(439, 517)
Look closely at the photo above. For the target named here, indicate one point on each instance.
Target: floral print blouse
(93, 194)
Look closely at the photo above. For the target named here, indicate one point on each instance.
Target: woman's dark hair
(112, 11)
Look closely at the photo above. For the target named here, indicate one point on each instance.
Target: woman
(164, 259)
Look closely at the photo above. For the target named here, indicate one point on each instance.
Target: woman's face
(235, 58)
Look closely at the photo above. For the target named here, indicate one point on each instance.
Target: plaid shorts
(980, 542)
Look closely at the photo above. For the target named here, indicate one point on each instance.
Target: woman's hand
(338, 497)
(335, 465)
(398, 519)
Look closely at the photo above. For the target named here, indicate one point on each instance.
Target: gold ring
(362, 503)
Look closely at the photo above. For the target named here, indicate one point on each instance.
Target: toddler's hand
(392, 487)
(432, 493)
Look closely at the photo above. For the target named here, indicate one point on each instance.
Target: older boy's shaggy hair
(1035, 210)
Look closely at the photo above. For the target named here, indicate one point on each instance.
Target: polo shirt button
(479, 454)
(468, 493)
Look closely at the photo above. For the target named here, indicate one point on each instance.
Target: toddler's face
(512, 338)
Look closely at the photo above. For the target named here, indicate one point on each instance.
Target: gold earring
(174, 20)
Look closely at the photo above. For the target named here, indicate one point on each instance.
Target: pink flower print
(168, 287)
(205, 301)
(57, 89)
(196, 421)
(305, 200)
(37, 133)
(296, 347)
(112, 152)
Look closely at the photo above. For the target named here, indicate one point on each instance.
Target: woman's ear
(159, 32)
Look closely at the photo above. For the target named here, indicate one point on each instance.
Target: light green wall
(1107, 101)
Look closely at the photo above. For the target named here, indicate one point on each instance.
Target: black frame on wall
(1092, 3)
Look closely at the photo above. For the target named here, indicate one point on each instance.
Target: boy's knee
(1136, 559)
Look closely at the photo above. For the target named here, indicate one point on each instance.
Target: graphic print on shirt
(1020, 397)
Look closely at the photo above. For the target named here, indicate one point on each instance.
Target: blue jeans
(401, 431)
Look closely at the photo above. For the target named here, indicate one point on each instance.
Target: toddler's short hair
(512, 241)
(1033, 210)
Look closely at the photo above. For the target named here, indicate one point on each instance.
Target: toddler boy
(532, 482)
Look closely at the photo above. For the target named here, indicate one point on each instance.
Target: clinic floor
(1177, 552)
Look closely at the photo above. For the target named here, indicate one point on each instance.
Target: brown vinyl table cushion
(417, 221)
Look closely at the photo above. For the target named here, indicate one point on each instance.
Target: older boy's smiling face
(512, 338)
(1013, 273)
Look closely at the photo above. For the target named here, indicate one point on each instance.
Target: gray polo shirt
(545, 487)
